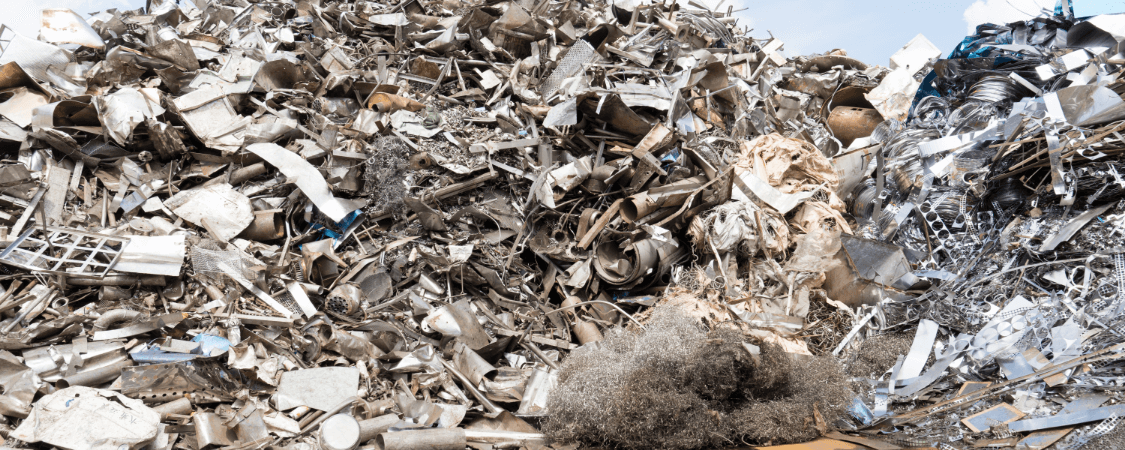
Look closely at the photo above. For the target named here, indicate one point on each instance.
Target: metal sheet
(305, 175)
(320, 388)
(919, 350)
(1062, 420)
(62, 25)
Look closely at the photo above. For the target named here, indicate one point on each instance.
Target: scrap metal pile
(339, 224)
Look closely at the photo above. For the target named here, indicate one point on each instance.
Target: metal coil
(931, 112)
(995, 89)
(904, 161)
(863, 201)
(972, 116)
(886, 130)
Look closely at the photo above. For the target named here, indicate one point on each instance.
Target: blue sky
(870, 31)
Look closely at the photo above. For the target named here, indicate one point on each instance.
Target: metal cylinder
(95, 377)
(849, 123)
(642, 204)
(299, 412)
(180, 406)
(114, 316)
(500, 436)
(427, 439)
(267, 226)
(339, 432)
(59, 303)
(371, 428)
(587, 332)
(240, 175)
(679, 31)
(344, 299)
(119, 280)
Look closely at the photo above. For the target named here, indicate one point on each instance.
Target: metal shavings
(385, 174)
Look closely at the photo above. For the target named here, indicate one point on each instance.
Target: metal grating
(64, 251)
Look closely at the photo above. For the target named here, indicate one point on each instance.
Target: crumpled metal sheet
(123, 110)
(198, 205)
(63, 26)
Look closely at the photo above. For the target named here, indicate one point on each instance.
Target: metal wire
(994, 89)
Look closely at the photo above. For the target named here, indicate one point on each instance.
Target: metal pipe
(309, 418)
(239, 176)
(113, 316)
(339, 432)
(371, 428)
(96, 377)
(587, 332)
(119, 280)
(180, 406)
(534, 349)
(498, 436)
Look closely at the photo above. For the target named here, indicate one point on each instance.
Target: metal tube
(240, 175)
(181, 406)
(114, 316)
(119, 280)
(309, 418)
(534, 349)
(498, 436)
(266, 226)
(428, 439)
(371, 428)
(339, 432)
(97, 376)
(587, 332)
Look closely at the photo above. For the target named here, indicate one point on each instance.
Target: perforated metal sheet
(580, 54)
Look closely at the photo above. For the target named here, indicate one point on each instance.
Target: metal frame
(79, 251)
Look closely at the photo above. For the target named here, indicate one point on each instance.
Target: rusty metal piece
(267, 226)
(421, 161)
(587, 332)
(849, 123)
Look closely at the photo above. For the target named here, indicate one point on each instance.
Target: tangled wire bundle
(675, 385)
